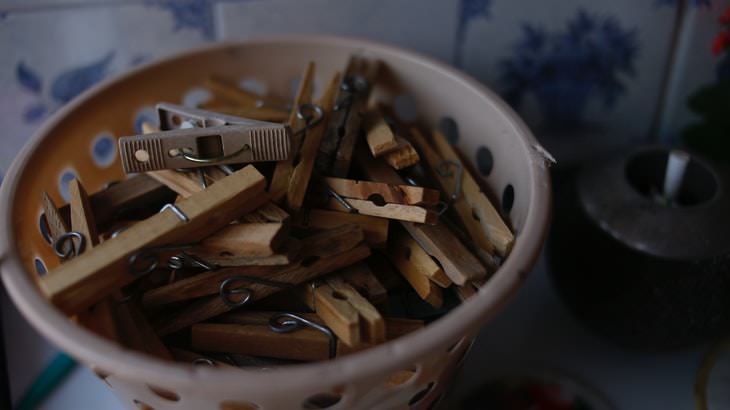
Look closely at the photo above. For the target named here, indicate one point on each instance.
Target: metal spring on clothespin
(289, 322)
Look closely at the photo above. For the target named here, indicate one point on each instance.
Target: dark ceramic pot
(642, 273)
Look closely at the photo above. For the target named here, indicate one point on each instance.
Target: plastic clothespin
(201, 147)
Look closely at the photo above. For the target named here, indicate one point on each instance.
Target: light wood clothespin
(88, 278)
(378, 134)
(392, 194)
(418, 269)
(220, 257)
(459, 264)
(482, 222)
(374, 228)
(229, 92)
(244, 240)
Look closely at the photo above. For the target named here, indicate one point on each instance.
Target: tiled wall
(584, 74)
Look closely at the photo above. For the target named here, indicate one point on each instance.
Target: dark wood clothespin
(375, 229)
(335, 151)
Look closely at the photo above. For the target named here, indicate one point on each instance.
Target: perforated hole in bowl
(164, 393)
(508, 198)
(321, 401)
(146, 114)
(399, 378)
(104, 149)
(253, 85)
(421, 394)
(485, 161)
(40, 267)
(142, 405)
(450, 129)
(238, 405)
(63, 180)
(196, 96)
(43, 228)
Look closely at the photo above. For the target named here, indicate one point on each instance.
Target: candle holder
(640, 250)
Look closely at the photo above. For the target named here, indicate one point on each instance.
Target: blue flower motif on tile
(64, 87)
(563, 70)
(73, 82)
(468, 11)
(190, 14)
(695, 3)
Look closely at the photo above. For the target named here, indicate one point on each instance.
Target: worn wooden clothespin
(335, 151)
(417, 267)
(375, 229)
(277, 334)
(459, 264)
(381, 200)
(199, 147)
(88, 278)
(350, 316)
(321, 254)
(100, 317)
(403, 156)
(221, 249)
(362, 278)
(378, 134)
(483, 223)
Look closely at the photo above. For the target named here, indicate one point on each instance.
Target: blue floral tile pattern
(469, 10)
(65, 86)
(190, 14)
(564, 69)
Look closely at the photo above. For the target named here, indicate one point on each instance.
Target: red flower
(721, 42)
(725, 18)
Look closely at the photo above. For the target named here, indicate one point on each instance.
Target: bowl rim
(404, 351)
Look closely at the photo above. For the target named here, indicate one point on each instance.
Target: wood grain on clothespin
(410, 258)
(90, 277)
(379, 136)
(403, 156)
(99, 318)
(302, 172)
(392, 194)
(458, 263)
(399, 212)
(285, 255)
(282, 172)
(243, 240)
(375, 229)
(415, 269)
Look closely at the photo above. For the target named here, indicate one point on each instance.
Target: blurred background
(588, 77)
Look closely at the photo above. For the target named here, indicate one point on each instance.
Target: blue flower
(28, 78)
(73, 82)
(469, 10)
(565, 69)
(695, 3)
(192, 14)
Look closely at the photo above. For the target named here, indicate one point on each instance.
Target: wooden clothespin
(197, 147)
(475, 210)
(378, 134)
(417, 268)
(321, 254)
(392, 194)
(88, 278)
(243, 240)
(136, 332)
(335, 151)
(263, 113)
(229, 93)
(350, 316)
(100, 317)
(374, 228)
(403, 156)
(221, 250)
(304, 163)
(57, 225)
(269, 212)
(362, 278)
(250, 333)
(455, 259)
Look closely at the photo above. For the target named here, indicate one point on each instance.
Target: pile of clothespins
(259, 231)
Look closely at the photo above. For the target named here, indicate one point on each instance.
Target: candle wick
(674, 175)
